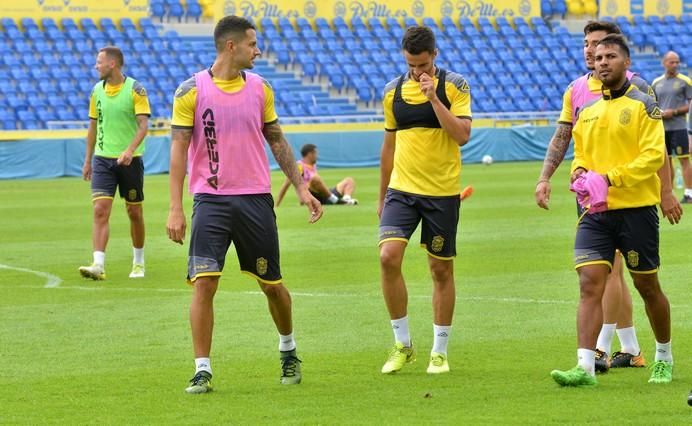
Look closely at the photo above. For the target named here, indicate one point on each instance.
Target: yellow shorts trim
(191, 281)
(103, 197)
(134, 203)
(653, 271)
(393, 239)
(594, 262)
(263, 281)
(424, 247)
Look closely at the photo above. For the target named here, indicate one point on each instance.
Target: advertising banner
(75, 9)
(364, 9)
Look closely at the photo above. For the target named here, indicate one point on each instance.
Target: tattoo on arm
(282, 152)
(181, 135)
(556, 150)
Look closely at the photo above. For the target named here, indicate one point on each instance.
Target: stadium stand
(323, 71)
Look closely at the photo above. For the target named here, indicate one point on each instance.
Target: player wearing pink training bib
(221, 118)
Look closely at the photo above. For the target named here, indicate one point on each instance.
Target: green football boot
(661, 372)
(398, 356)
(577, 376)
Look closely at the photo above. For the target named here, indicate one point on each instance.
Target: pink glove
(592, 191)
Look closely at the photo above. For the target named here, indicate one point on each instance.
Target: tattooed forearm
(282, 152)
(556, 150)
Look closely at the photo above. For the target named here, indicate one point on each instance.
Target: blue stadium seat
(158, 10)
(48, 23)
(194, 10)
(8, 23)
(84, 23)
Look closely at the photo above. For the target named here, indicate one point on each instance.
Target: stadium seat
(158, 10)
(193, 10)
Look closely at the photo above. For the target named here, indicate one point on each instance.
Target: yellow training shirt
(139, 94)
(621, 135)
(186, 99)
(427, 161)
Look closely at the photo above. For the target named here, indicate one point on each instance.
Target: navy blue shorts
(246, 220)
(632, 231)
(107, 175)
(440, 216)
(677, 143)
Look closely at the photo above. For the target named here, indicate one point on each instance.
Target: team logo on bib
(261, 266)
(437, 243)
(132, 194)
(633, 258)
(625, 116)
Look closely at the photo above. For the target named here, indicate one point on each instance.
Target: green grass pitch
(119, 351)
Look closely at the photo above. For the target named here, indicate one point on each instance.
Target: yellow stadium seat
(575, 7)
(590, 7)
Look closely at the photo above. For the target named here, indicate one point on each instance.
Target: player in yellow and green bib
(119, 118)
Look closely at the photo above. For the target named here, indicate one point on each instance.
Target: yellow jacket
(621, 136)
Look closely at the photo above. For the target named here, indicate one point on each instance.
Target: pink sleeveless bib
(307, 171)
(227, 155)
(581, 94)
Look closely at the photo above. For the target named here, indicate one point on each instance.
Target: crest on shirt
(261, 266)
(625, 116)
(633, 258)
(437, 243)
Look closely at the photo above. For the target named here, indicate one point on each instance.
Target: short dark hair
(418, 39)
(608, 27)
(230, 26)
(618, 40)
(307, 149)
(114, 53)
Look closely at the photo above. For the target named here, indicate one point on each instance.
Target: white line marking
(304, 294)
(52, 281)
(188, 290)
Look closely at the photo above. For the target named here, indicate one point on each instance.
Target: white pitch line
(52, 281)
(188, 290)
(304, 294)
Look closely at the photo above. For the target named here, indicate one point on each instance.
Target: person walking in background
(673, 92)
(118, 122)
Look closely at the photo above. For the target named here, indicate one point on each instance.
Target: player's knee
(134, 212)
(205, 289)
(441, 271)
(348, 180)
(390, 259)
(273, 291)
(647, 285)
(101, 212)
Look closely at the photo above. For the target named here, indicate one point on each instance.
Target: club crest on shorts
(132, 194)
(261, 266)
(437, 243)
(625, 116)
(633, 258)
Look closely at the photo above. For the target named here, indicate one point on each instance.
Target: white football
(487, 160)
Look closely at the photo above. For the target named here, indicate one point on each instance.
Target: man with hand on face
(618, 138)
(427, 118)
